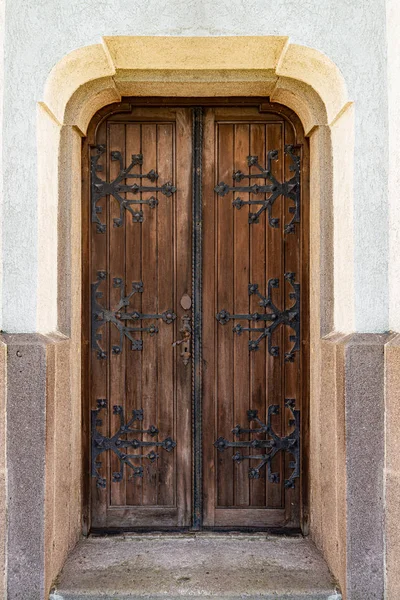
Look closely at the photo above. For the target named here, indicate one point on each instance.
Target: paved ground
(226, 567)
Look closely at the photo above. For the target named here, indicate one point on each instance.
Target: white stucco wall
(2, 32)
(393, 37)
(352, 34)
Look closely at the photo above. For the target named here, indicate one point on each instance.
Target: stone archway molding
(299, 77)
(158, 66)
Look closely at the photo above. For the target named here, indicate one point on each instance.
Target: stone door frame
(44, 371)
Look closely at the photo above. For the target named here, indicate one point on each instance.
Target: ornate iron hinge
(101, 188)
(287, 189)
(118, 443)
(272, 444)
(289, 317)
(119, 316)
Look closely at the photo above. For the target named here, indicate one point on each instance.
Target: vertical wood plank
(304, 402)
(266, 261)
(116, 272)
(257, 276)
(183, 285)
(224, 342)
(133, 273)
(150, 305)
(157, 252)
(241, 381)
(291, 369)
(98, 367)
(274, 269)
(167, 301)
(85, 340)
(210, 325)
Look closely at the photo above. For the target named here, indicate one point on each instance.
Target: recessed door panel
(252, 320)
(195, 316)
(140, 240)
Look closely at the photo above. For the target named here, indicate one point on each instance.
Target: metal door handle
(186, 332)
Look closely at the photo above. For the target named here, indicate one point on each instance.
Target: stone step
(194, 566)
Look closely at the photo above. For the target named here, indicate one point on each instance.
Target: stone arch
(301, 78)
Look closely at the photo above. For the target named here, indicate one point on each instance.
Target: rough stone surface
(39, 526)
(328, 506)
(195, 566)
(365, 455)
(25, 444)
(3, 467)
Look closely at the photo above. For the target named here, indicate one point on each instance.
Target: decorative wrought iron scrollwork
(101, 188)
(272, 444)
(288, 189)
(118, 443)
(289, 317)
(119, 316)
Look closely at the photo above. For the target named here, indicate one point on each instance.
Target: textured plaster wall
(39, 34)
(3, 351)
(393, 38)
(2, 31)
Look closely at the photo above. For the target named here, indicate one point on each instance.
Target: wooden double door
(195, 316)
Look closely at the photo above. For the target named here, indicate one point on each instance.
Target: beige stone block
(84, 80)
(321, 234)
(392, 520)
(50, 522)
(63, 479)
(69, 310)
(331, 508)
(203, 83)
(71, 72)
(75, 512)
(192, 53)
(315, 500)
(79, 112)
(327, 453)
(69, 233)
(318, 71)
(392, 401)
(392, 468)
(63, 427)
(340, 491)
(302, 99)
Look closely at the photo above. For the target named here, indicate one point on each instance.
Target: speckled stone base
(229, 566)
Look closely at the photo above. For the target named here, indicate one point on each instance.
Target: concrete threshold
(194, 566)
